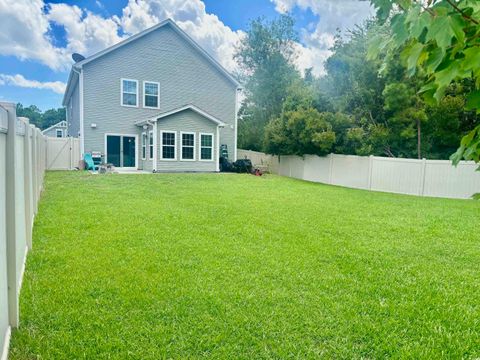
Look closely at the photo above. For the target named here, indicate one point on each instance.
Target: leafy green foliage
(442, 39)
(246, 267)
(265, 56)
(41, 119)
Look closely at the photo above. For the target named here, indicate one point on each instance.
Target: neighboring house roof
(62, 123)
(73, 77)
(180, 109)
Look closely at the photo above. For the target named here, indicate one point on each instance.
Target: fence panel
(22, 166)
(350, 171)
(317, 168)
(444, 180)
(403, 176)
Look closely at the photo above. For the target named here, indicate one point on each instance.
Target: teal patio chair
(90, 165)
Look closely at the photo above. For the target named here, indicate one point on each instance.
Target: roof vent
(77, 57)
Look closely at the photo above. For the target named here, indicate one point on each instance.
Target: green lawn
(237, 266)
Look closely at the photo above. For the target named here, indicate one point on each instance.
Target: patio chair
(90, 165)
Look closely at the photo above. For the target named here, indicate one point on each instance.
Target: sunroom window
(188, 146)
(150, 145)
(206, 147)
(168, 145)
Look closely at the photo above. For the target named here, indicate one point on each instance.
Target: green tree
(440, 39)
(41, 119)
(266, 57)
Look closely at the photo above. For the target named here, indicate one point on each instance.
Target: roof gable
(180, 109)
(183, 34)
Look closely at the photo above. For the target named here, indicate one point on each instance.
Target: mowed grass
(236, 266)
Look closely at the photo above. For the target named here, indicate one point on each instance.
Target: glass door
(121, 150)
(128, 143)
(113, 150)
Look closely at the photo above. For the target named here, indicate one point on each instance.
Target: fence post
(28, 182)
(370, 171)
(330, 169)
(423, 175)
(34, 169)
(11, 204)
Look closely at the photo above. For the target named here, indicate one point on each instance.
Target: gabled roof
(180, 109)
(62, 123)
(175, 27)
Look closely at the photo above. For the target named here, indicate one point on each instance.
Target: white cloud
(333, 15)
(19, 80)
(24, 33)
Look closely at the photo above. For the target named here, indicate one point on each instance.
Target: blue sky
(37, 37)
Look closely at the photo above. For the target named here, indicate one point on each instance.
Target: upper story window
(129, 92)
(169, 146)
(206, 147)
(59, 133)
(151, 94)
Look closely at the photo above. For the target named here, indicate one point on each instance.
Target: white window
(151, 95)
(168, 145)
(144, 146)
(150, 144)
(188, 146)
(129, 92)
(206, 147)
(59, 133)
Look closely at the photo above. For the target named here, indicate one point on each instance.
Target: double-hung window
(129, 92)
(144, 146)
(188, 146)
(150, 144)
(169, 150)
(59, 133)
(151, 94)
(206, 147)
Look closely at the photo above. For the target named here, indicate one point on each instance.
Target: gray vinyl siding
(73, 113)
(186, 121)
(185, 77)
(53, 131)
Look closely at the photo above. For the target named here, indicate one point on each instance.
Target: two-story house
(156, 101)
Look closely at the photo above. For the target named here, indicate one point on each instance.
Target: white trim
(6, 343)
(187, 107)
(217, 153)
(151, 146)
(235, 141)
(194, 145)
(142, 145)
(153, 28)
(136, 148)
(155, 149)
(200, 146)
(62, 123)
(121, 92)
(82, 128)
(161, 145)
(158, 94)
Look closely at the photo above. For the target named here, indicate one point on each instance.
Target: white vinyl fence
(22, 166)
(259, 159)
(62, 153)
(438, 178)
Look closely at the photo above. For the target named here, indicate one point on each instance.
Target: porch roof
(180, 109)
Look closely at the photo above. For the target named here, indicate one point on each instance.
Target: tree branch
(465, 16)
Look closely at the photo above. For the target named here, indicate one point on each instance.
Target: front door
(121, 150)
